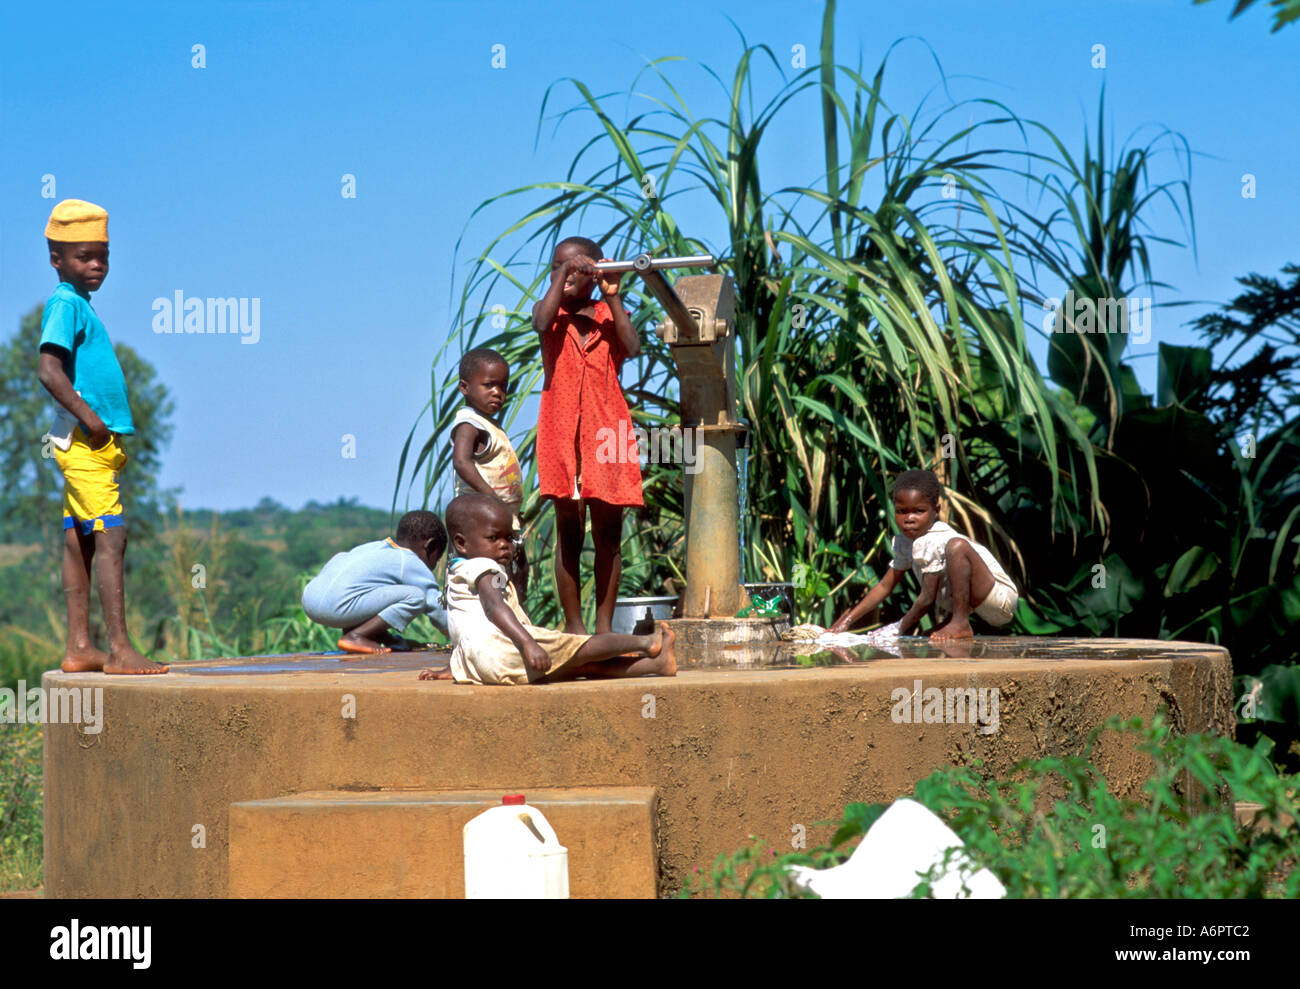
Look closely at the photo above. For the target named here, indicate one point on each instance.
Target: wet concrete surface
(743, 657)
(315, 662)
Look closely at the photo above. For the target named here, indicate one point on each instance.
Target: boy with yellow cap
(79, 369)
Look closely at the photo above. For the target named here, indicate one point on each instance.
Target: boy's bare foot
(953, 629)
(128, 661)
(657, 643)
(663, 650)
(361, 646)
(85, 660)
(428, 674)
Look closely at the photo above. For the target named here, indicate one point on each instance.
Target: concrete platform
(765, 741)
(406, 844)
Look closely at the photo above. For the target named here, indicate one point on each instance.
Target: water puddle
(806, 655)
(741, 657)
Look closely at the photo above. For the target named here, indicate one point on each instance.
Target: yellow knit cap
(76, 221)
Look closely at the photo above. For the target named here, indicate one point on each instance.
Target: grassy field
(21, 833)
(253, 561)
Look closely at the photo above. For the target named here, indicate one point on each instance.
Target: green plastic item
(762, 608)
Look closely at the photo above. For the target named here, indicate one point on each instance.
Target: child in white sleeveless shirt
(482, 454)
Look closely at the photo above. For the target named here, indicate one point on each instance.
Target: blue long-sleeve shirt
(379, 564)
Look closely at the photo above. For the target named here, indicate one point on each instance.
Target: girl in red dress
(582, 420)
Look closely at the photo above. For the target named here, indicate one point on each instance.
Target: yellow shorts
(90, 497)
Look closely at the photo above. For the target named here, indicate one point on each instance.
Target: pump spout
(649, 267)
(674, 308)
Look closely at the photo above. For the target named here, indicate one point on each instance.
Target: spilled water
(742, 499)
(811, 655)
(745, 656)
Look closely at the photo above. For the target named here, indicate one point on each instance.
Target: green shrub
(290, 631)
(1054, 828)
(25, 656)
(756, 870)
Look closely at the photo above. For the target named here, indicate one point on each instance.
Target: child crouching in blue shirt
(381, 586)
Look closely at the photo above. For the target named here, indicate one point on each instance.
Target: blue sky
(225, 181)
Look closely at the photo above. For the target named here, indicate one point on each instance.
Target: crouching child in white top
(493, 642)
(380, 586)
(958, 576)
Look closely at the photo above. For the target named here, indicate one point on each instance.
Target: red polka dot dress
(584, 430)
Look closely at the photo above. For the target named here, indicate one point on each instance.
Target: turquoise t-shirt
(70, 322)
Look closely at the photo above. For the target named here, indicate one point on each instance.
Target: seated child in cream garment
(493, 642)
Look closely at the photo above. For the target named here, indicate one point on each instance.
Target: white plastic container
(511, 853)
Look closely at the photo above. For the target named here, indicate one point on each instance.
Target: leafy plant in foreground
(1054, 829)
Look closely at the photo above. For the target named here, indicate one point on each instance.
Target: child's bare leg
(970, 582)
(568, 553)
(366, 639)
(938, 619)
(110, 544)
(78, 554)
(607, 537)
(605, 654)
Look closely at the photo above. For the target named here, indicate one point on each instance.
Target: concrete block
(407, 843)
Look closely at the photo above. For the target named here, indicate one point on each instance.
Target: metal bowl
(637, 616)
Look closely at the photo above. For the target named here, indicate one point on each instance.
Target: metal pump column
(701, 312)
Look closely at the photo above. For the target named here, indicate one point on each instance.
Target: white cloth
(881, 638)
(65, 424)
(927, 553)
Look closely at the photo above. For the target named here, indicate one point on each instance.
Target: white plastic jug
(511, 853)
